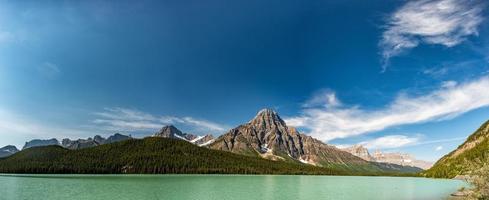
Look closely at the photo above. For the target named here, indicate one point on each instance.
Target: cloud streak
(398, 141)
(123, 119)
(442, 22)
(390, 141)
(444, 103)
(49, 70)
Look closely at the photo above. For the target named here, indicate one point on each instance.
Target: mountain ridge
(467, 158)
(92, 142)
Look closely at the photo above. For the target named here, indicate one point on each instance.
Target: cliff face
(39, 143)
(360, 151)
(268, 136)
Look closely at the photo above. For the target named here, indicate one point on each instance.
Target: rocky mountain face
(96, 141)
(78, 144)
(359, 151)
(39, 143)
(171, 131)
(268, 136)
(8, 150)
(472, 155)
(402, 159)
(113, 138)
(203, 140)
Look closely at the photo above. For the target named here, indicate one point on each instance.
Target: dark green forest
(154, 156)
(151, 156)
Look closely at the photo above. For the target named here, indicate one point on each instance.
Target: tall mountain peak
(169, 131)
(267, 119)
(268, 136)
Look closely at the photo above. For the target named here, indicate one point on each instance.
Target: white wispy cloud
(323, 98)
(398, 141)
(123, 119)
(447, 140)
(204, 124)
(49, 70)
(441, 104)
(438, 148)
(390, 141)
(443, 22)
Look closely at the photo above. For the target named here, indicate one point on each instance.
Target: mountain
(268, 136)
(473, 154)
(96, 141)
(8, 150)
(203, 140)
(402, 159)
(114, 138)
(359, 151)
(149, 155)
(171, 131)
(39, 143)
(78, 144)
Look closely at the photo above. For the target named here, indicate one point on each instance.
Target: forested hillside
(472, 155)
(159, 155)
(150, 155)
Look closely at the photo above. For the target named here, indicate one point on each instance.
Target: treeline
(149, 156)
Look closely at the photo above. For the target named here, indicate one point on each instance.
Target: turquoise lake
(226, 187)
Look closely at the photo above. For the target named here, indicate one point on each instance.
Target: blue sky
(408, 76)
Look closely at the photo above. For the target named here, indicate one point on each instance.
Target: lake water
(227, 187)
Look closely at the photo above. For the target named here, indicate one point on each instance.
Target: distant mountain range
(383, 157)
(96, 141)
(472, 155)
(265, 137)
(77, 144)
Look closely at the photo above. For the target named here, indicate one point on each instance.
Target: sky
(405, 76)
